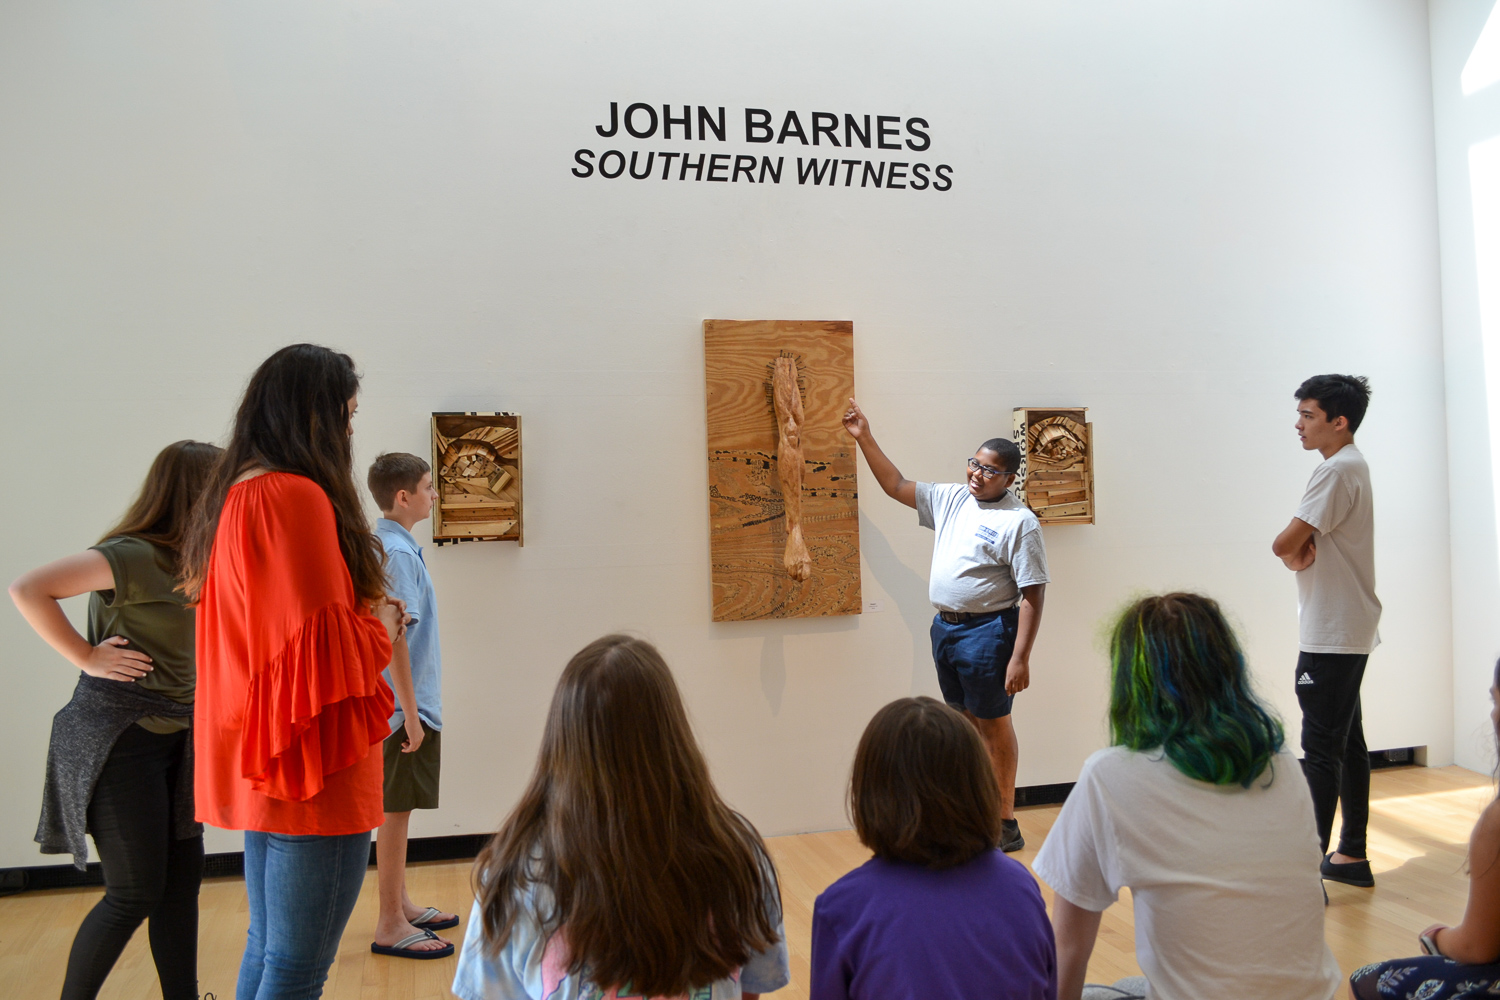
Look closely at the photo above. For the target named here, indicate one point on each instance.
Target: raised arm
(889, 477)
(37, 594)
(1297, 545)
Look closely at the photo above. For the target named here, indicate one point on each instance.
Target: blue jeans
(301, 890)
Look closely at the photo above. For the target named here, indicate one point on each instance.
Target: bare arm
(896, 486)
(406, 694)
(1076, 930)
(1297, 545)
(1476, 941)
(1028, 620)
(36, 595)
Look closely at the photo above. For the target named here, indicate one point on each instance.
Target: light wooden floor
(1419, 827)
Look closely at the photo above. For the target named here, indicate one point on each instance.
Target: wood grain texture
(748, 532)
(1420, 820)
(1056, 478)
(476, 467)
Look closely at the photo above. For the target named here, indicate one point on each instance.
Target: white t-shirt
(1224, 878)
(1337, 609)
(984, 553)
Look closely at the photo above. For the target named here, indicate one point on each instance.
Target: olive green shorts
(411, 779)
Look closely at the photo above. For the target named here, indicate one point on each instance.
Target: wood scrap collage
(783, 482)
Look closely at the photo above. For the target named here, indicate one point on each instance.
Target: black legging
(1337, 764)
(147, 873)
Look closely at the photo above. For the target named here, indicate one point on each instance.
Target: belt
(957, 617)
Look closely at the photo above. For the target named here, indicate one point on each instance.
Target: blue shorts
(971, 659)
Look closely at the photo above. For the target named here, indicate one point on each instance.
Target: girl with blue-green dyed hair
(1179, 684)
(1199, 809)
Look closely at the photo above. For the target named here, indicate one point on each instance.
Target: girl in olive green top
(120, 760)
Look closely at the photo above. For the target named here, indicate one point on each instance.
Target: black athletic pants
(147, 874)
(1336, 761)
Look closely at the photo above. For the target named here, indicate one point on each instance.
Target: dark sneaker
(1010, 836)
(1354, 873)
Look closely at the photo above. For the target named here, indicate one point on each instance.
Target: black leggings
(147, 873)
(1336, 761)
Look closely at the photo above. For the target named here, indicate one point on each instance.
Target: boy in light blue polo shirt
(402, 485)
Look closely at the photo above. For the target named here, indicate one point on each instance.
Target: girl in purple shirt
(939, 911)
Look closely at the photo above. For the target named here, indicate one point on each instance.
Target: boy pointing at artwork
(988, 581)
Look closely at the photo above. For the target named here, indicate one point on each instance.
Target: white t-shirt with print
(984, 553)
(1224, 878)
(1337, 609)
(530, 966)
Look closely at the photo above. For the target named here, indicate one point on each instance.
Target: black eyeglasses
(985, 470)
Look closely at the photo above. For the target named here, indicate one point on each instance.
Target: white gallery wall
(1169, 212)
(1466, 101)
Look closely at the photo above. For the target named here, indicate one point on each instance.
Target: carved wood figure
(783, 493)
(789, 415)
(1056, 479)
(476, 465)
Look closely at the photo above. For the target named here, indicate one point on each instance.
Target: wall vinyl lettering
(826, 130)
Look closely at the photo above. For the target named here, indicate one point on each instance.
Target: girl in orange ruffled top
(293, 632)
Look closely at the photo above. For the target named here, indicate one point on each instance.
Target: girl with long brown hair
(293, 632)
(621, 872)
(120, 763)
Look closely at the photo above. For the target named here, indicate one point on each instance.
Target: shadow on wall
(908, 591)
(773, 633)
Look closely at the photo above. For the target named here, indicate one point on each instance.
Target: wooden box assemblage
(1056, 479)
(476, 467)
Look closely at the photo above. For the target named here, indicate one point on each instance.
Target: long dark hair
(294, 418)
(161, 513)
(1469, 861)
(654, 881)
(922, 789)
(1180, 684)
(1495, 683)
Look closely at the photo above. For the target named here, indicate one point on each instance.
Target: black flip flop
(403, 948)
(427, 921)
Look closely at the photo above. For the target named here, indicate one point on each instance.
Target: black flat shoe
(1010, 837)
(1353, 873)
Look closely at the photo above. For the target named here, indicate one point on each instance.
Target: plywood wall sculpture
(1057, 463)
(783, 496)
(476, 467)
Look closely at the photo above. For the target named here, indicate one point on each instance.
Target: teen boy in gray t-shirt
(989, 577)
(1330, 543)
